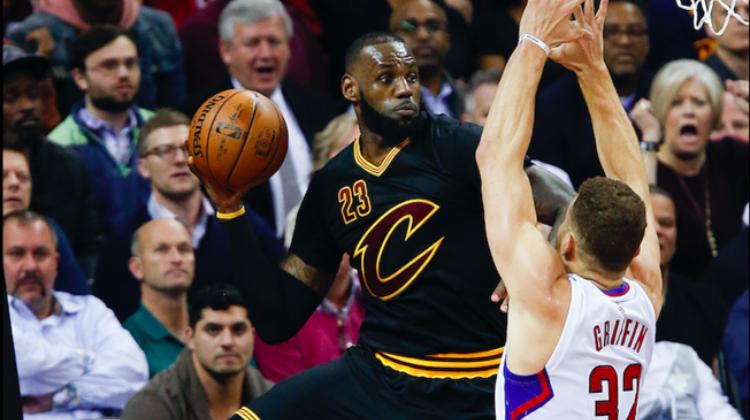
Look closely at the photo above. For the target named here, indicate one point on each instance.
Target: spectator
(693, 313)
(211, 378)
(207, 74)
(163, 262)
(479, 98)
(730, 270)
(563, 135)
(424, 26)
(729, 60)
(17, 196)
(175, 194)
(160, 58)
(678, 385)
(708, 181)
(734, 122)
(62, 189)
(736, 348)
(334, 326)
(74, 359)
(267, 28)
(345, 21)
(480, 94)
(103, 127)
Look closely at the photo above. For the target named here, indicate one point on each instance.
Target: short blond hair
(674, 75)
(326, 140)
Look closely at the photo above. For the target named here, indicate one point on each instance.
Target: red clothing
(320, 340)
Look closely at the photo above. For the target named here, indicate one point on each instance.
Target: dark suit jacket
(313, 110)
(563, 134)
(116, 286)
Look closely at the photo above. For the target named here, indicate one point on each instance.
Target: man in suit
(254, 45)
(175, 194)
(563, 135)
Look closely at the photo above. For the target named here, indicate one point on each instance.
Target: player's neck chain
(705, 212)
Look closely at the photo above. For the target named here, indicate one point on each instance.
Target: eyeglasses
(167, 151)
(632, 31)
(411, 26)
(112, 65)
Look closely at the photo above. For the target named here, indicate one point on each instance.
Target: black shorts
(360, 386)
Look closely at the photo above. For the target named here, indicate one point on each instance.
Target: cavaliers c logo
(370, 248)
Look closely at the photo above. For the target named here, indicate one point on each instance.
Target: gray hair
(674, 75)
(251, 11)
(479, 78)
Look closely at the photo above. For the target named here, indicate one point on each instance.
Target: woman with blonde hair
(707, 180)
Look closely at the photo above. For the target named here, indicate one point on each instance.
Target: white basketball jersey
(596, 368)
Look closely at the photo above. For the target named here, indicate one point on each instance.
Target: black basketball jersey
(414, 229)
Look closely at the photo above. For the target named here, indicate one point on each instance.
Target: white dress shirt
(298, 151)
(157, 211)
(81, 353)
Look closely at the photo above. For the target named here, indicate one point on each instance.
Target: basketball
(238, 138)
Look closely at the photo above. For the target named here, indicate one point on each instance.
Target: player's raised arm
(616, 140)
(510, 218)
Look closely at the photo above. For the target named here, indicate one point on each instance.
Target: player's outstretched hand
(548, 21)
(586, 51)
(225, 201)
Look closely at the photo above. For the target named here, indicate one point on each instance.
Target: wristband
(649, 146)
(229, 216)
(536, 41)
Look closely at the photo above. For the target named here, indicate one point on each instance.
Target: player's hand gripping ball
(237, 140)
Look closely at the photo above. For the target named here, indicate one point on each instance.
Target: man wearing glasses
(175, 194)
(424, 27)
(563, 135)
(103, 127)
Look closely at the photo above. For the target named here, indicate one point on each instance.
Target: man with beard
(563, 135)
(211, 377)
(424, 26)
(62, 189)
(103, 127)
(55, 24)
(403, 201)
(74, 359)
(163, 262)
(175, 194)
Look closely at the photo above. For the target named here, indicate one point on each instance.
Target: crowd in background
(115, 267)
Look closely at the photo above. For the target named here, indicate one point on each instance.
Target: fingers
(601, 14)
(588, 10)
(578, 13)
(499, 293)
(572, 5)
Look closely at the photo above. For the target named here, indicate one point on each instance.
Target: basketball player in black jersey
(404, 202)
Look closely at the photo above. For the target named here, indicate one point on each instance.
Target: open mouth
(265, 70)
(689, 130)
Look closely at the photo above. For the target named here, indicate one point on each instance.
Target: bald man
(163, 263)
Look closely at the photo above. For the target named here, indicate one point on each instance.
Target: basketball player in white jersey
(582, 317)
